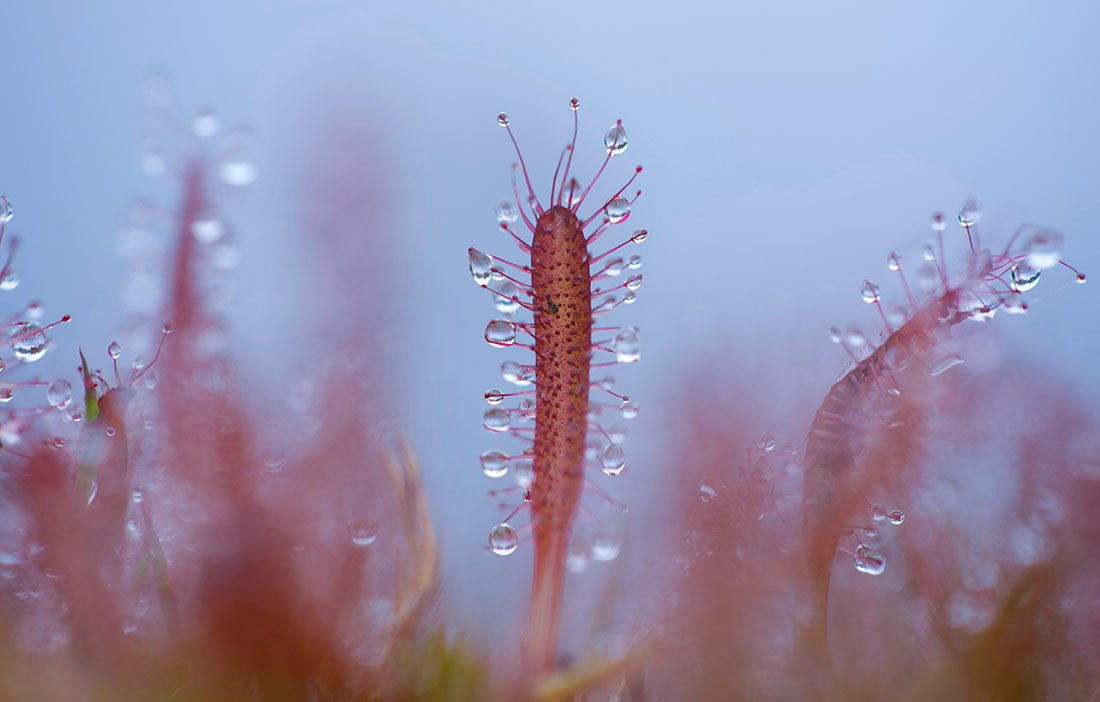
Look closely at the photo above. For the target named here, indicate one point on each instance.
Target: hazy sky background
(789, 147)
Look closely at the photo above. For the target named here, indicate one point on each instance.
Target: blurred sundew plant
(157, 542)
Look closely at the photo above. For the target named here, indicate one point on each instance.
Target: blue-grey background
(788, 146)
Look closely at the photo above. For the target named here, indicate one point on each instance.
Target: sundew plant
(241, 459)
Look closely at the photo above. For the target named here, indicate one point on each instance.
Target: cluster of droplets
(866, 559)
(504, 279)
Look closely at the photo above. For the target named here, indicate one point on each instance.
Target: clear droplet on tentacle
(236, 167)
(503, 539)
(605, 545)
(503, 120)
(1043, 248)
(481, 267)
(500, 334)
(576, 558)
(6, 210)
(494, 463)
(612, 459)
(870, 562)
(627, 346)
(507, 297)
(938, 223)
(634, 262)
(1025, 276)
(497, 420)
(507, 213)
(617, 209)
(896, 517)
(206, 123)
(893, 261)
(970, 214)
(363, 531)
(494, 396)
(517, 374)
(878, 513)
(870, 292)
(29, 342)
(9, 280)
(615, 140)
(59, 394)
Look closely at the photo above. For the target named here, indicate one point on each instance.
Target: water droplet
(639, 236)
(576, 558)
(614, 267)
(893, 261)
(629, 410)
(363, 531)
(206, 123)
(114, 350)
(896, 517)
(6, 394)
(707, 493)
(605, 545)
(506, 213)
(10, 280)
(612, 459)
(634, 262)
(494, 396)
(523, 472)
(574, 103)
(503, 539)
(855, 338)
(517, 374)
(870, 562)
(627, 346)
(617, 210)
(766, 443)
(1025, 276)
(870, 292)
(167, 328)
(236, 166)
(571, 192)
(928, 253)
(970, 214)
(207, 228)
(633, 282)
(151, 158)
(500, 333)
(878, 513)
(28, 342)
(615, 140)
(502, 120)
(494, 463)
(507, 298)
(617, 434)
(59, 393)
(945, 363)
(6, 210)
(938, 225)
(498, 420)
(1043, 248)
(111, 431)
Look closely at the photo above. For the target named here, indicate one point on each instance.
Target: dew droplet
(6, 394)
(938, 224)
(893, 261)
(627, 346)
(945, 363)
(207, 228)
(494, 463)
(481, 266)
(615, 140)
(6, 210)
(1043, 248)
(114, 350)
(633, 283)
(870, 562)
(517, 374)
(506, 298)
(574, 103)
(605, 545)
(707, 493)
(9, 280)
(206, 123)
(629, 410)
(28, 342)
(1025, 276)
(855, 338)
(503, 539)
(1014, 304)
(151, 158)
(498, 420)
(928, 253)
(111, 431)
(500, 333)
(617, 210)
(363, 531)
(878, 513)
(506, 213)
(523, 472)
(494, 396)
(59, 393)
(896, 517)
(236, 167)
(576, 558)
(612, 459)
(639, 235)
(970, 214)
(502, 120)
(870, 292)
(766, 443)
(634, 262)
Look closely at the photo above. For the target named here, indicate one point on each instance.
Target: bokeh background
(788, 146)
